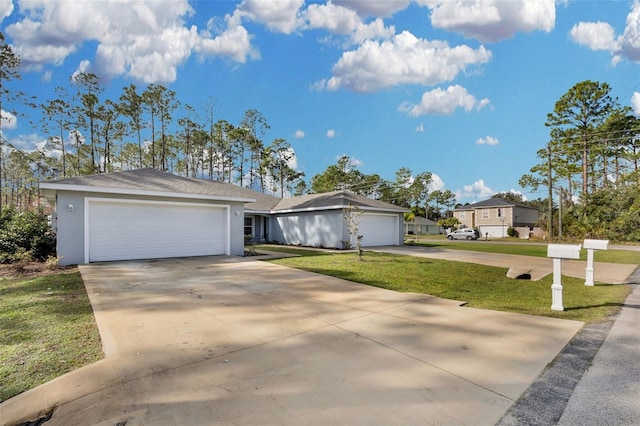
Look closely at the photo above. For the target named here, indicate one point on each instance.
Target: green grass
(48, 329)
(481, 286)
(537, 250)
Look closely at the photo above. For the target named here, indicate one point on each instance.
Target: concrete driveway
(234, 341)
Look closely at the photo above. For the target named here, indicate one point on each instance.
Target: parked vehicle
(464, 234)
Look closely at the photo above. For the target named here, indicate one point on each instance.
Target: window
(463, 215)
(499, 212)
(485, 213)
(248, 226)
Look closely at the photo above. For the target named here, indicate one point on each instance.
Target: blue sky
(457, 88)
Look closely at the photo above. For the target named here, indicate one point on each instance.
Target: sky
(458, 88)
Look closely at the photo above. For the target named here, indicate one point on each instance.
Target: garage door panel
(136, 230)
(379, 229)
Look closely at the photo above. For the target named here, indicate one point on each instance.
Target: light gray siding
(70, 226)
(313, 229)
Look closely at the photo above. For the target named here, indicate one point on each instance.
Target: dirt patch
(31, 270)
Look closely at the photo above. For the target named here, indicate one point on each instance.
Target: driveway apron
(218, 340)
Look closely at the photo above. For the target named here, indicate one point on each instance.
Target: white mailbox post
(558, 252)
(592, 246)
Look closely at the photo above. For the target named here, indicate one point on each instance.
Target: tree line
(590, 163)
(143, 127)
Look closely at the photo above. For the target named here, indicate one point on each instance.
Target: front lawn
(481, 286)
(48, 329)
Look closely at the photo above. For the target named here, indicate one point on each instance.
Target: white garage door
(123, 229)
(379, 229)
(493, 231)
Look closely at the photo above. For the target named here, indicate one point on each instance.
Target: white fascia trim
(338, 207)
(128, 191)
(87, 200)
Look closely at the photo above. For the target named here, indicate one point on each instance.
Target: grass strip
(537, 250)
(48, 329)
(481, 286)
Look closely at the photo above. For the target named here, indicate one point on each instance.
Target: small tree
(352, 215)
(449, 222)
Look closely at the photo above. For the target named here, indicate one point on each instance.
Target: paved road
(536, 267)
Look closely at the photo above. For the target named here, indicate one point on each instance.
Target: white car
(463, 234)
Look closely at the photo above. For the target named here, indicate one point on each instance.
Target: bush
(23, 235)
(512, 232)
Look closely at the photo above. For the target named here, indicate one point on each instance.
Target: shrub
(25, 235)
(512, 232)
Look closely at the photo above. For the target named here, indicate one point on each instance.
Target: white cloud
(630, 43)
(9, 121)
(344, 21)
(6, 9)
(437, 184)
(279, 16)
(299, 134)
(335, 19)
(29, 142)
(234, 42)
(476, 191)
(379, 8)
(601, 36)
(492, 20)
(635, 103)
(146, 40)
(405, 59)
(489, 140)
(331, 133)
(420, 128)
(595, 35)
(443, 102)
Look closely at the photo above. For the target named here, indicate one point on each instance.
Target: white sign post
(592, 246)
(558, 252)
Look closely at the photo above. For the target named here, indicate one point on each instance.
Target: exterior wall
(506, 218)
(313, 229)
(422, 229)
(466, 218)
(69, 224)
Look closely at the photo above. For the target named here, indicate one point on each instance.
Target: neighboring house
(494, 216)
(420, 226)
(317, 220)
(148, 213)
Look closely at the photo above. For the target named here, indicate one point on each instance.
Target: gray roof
(419, 220)
(335, 199)
(494, 202)
(151, 181)
(156, 182)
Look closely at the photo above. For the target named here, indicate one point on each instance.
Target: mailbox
(559, 252)
(563, 251)
(591, 246)
(596, 244)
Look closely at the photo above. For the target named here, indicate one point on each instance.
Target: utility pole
(550, 185)
(560, 196)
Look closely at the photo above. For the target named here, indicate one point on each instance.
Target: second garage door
(128, 229)
(379, 229)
